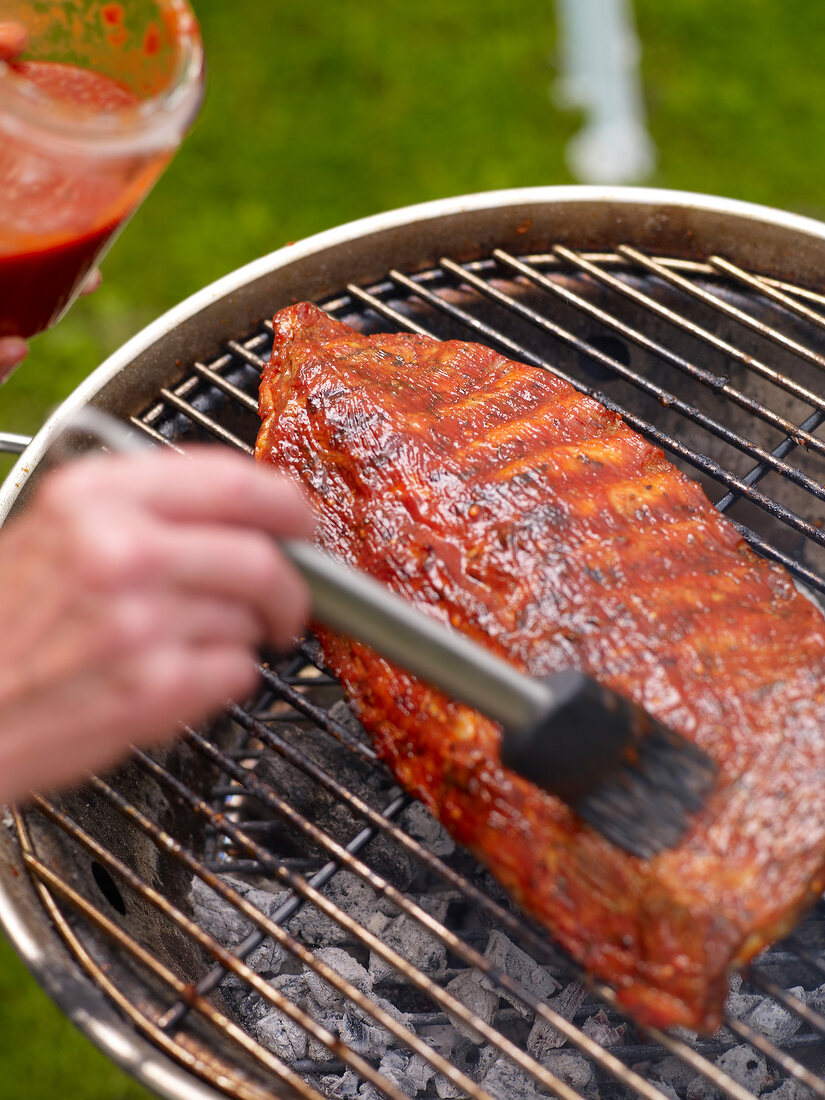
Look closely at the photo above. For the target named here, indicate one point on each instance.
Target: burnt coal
(744, 1064)
(231, 927)
(342, 962)
(599, 1029)
(342, 1086)
(406, 936)
(572, 1068)
(363, 1034)
(469, 988)
(453, 1038)
(422, 826)
(355, 897)
(508, 957)
(790, 1089)
(472, 1060)
(673, 1073)
(774, 1020)
(282, 1036)
(543, 1037)
(395, 1066)
(504, 1081)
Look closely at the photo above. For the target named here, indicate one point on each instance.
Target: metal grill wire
(674, 347)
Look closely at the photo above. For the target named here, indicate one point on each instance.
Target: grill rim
(200, 320)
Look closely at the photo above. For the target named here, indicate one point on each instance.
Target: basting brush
(630, 777)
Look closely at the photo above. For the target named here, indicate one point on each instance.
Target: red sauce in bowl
(79, 87)
(55, 224)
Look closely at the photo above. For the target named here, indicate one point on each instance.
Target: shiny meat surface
(500, 500)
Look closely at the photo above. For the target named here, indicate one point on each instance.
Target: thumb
(13, 40)
(13, 350)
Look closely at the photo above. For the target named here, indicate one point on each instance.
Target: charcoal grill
(257, 911)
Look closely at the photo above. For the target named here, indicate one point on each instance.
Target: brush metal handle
(351, 602)
(565, 733)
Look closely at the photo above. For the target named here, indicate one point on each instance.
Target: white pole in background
(600, 54)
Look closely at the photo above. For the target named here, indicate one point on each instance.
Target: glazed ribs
(504, 502)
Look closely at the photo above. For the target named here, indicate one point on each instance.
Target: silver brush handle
(351, 602)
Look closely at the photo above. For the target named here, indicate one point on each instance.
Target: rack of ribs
(504, 502)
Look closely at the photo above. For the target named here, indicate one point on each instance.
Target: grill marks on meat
(527, 515)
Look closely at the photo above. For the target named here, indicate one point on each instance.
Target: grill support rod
(11, 443)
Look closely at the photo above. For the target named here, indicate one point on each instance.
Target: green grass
(41, 1054)
(733, 101)
(318, 113)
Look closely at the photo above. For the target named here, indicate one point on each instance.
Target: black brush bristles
(646, 804)
(633, 779)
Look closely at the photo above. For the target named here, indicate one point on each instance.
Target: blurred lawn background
(321, 112)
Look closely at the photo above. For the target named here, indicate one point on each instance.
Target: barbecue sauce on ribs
(504, 502)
